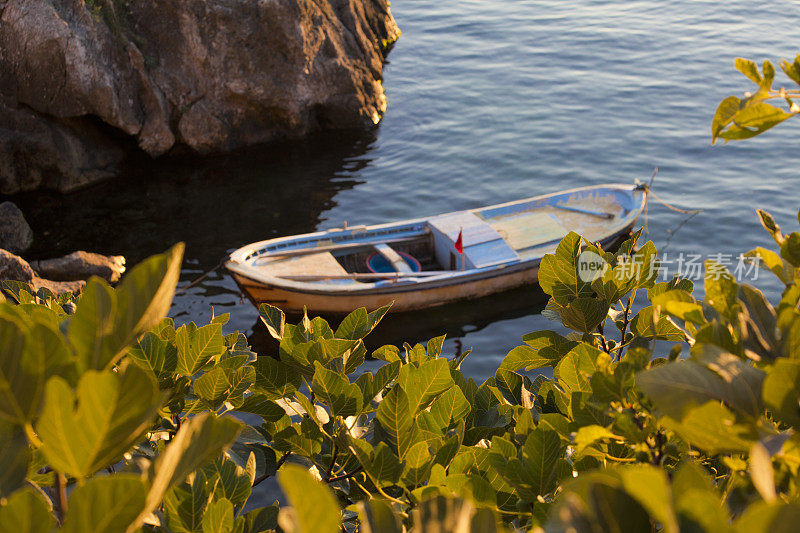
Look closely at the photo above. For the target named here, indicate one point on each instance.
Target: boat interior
(492, 236)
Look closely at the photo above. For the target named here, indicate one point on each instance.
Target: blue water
(489, 101)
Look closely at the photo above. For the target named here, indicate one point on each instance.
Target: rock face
(15, 233)
(77, 78)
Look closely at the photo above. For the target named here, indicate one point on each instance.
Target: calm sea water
(489, 101)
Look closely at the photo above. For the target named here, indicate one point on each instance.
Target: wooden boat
(418, 266)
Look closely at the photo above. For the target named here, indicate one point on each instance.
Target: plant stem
(278, 464)
(61, 496)
(33, 438)
(334, 455)
(345, 476)
(603, 338)
(625, 322)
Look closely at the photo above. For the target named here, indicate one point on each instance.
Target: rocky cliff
(82, 81)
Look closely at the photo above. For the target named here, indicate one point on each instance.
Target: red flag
(460, 243)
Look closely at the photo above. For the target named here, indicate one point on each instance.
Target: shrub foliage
(113, 419)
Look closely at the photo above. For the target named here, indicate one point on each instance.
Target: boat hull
(408, 299)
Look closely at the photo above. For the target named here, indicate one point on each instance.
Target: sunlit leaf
(84, 432)
(106, 321)
(316, 507)
(106, 504)
(26, 511)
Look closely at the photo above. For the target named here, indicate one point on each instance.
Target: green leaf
(381, 465)
(26, 511)
(697, 505)
(558, 274)
(197, 346)
(218, 517)
(761, 473)
(423, 384)
(199, 439)
(726, 110)
(275, 378)
(748, 68)
(231, 481)
(721, 290)
(154, 353)
(258, 520)
(680, 304)
(770, 225)
(359, 323)
(112, 412)
(106, 322)
(15, 456)
(377, 517)
(534, 474)
(773, 263)
(23, 369)
(260, 404)
(584, 314)
(450, 407)
(273, 318)
(544, 348)
(106, 504)
(418, 462)
(769, 75)
(792, 70)
(648, 485)
(712, 428)
(343, 398)
(184, 505)
(315, 506)
(212, 386)
(781, 391)
(760, 116)
(642, 325)
(790, 249)
(396, 419)
(588, 435)
(387, 353)
(434, 347)
(764, 517)
(677, 386)
(576, 368)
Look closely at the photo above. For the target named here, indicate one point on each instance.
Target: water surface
(489, 101)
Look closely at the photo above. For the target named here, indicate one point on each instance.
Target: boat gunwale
(238, 260)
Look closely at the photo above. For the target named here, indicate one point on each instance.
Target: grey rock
(15, 233)
(14, 268)
(80, 266)
(209, 75)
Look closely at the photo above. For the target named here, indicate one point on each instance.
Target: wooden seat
(321, 263)
(396, 260)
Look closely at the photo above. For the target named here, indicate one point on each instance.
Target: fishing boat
(431, 261)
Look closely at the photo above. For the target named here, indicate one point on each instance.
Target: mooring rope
(648, 190)
(201, 278)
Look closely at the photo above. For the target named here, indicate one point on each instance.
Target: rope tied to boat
(201, 278)
(648, 191)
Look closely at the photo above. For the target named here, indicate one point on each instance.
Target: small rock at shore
(81, 265)
(15, 234)
(15, 268)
